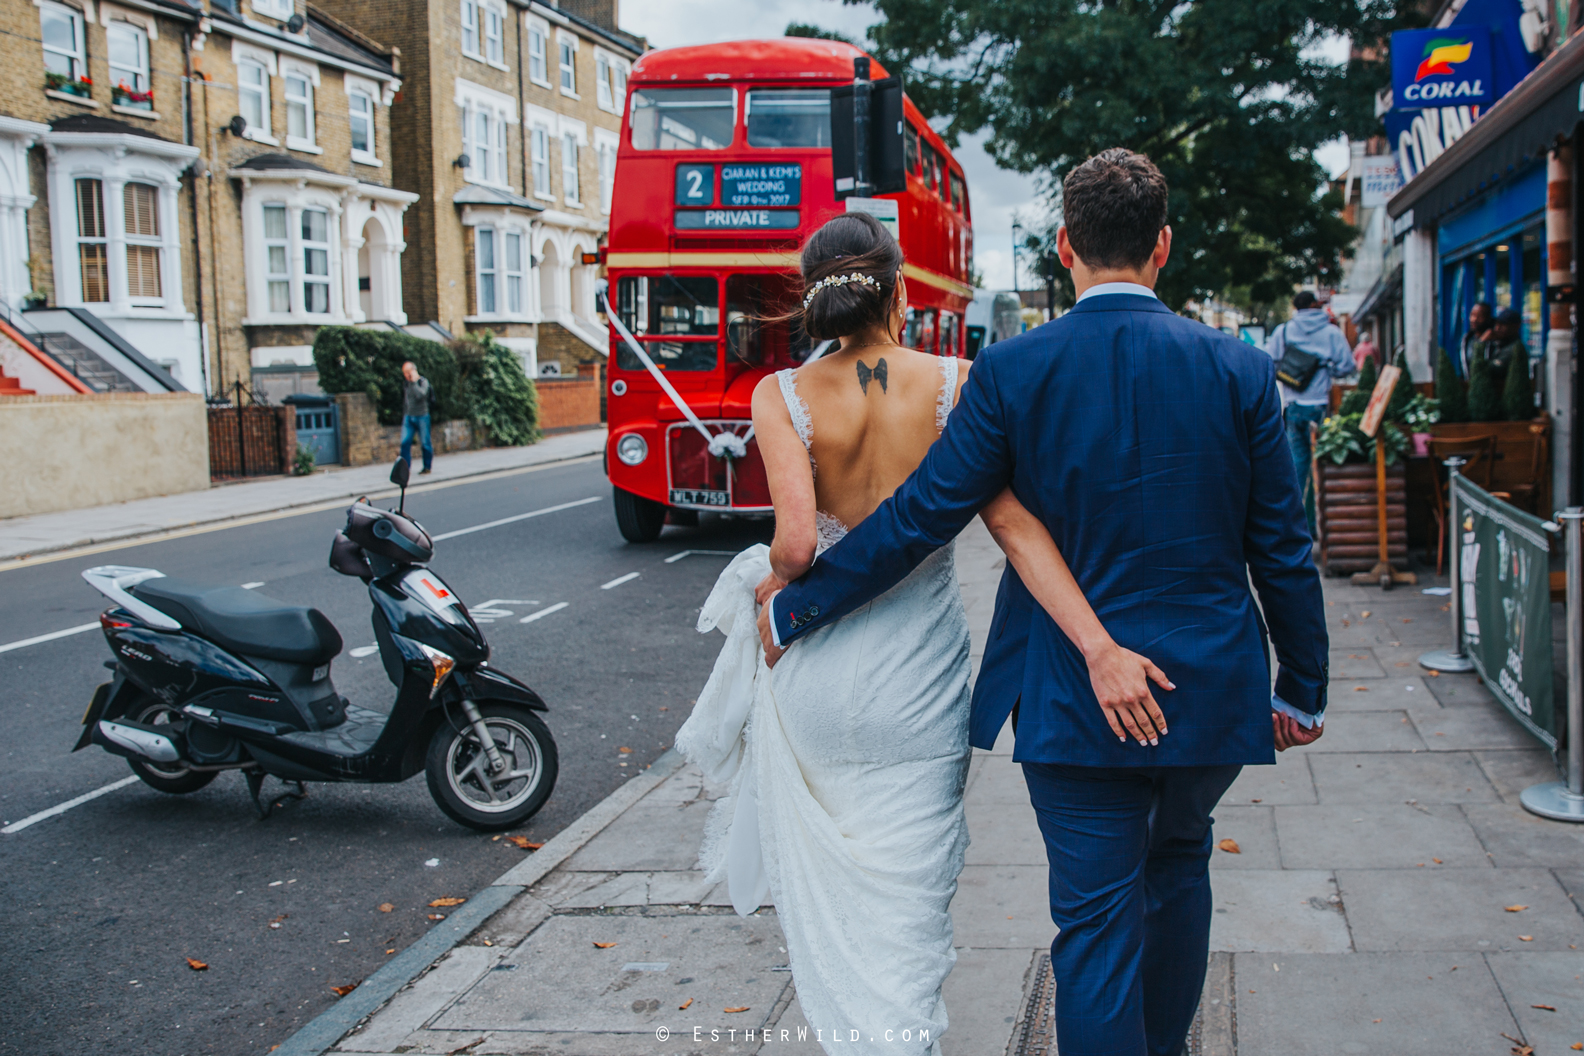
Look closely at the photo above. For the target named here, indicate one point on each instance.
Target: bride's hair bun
(850, 271)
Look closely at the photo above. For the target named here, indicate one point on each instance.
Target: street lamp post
(1016, 228)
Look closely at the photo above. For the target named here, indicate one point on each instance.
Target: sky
(998, 197)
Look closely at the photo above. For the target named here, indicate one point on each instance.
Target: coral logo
(1441, 55)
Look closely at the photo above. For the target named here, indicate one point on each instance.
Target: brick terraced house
(188, 190)
(506, 128)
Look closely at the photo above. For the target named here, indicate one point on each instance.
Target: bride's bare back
(870, 414)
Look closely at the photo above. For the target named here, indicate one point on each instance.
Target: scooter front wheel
(470, 792)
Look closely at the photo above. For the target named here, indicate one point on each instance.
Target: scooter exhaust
(136, 742)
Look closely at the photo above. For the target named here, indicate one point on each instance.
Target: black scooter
(211, 678)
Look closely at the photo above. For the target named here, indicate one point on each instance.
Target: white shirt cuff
(775, 632)
(1303, 719)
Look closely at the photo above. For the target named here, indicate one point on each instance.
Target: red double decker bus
(724, 168)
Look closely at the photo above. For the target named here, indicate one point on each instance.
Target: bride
(846, 764)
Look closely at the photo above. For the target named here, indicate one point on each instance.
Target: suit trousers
(1129, 853)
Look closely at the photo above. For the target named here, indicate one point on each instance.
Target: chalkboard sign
(761, 185)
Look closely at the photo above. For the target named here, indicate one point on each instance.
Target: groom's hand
(1289, 734)
(773, 652)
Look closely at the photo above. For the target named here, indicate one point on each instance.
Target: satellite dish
(295, 24)
(237, 126)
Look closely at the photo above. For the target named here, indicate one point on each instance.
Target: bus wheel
(639, 519)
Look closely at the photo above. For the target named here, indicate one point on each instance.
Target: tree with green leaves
(1404, 393)
(1518, 390)
(1229, 98)
(1484, 398)
(1451, 392)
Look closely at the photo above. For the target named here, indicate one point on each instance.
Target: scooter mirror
(401, 472)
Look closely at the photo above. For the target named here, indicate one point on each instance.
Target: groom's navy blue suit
(1152, 448)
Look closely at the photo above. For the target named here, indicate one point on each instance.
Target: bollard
(1564, 800)
(1453, 659)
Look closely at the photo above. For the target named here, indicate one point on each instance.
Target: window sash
(127, 51)
(65, 57)
(541, 161)
(602, 86)
(253, 95)
(607, 173)
(277, 270)
(315, 231)
(536, 55)
(569, 168)
(514, 276)
(484, 239)
(492, 34)
(299, 107)
(360, 110)
(469, 28)
(568, 69)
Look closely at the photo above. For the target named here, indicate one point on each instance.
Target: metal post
(1564, 801)
(241, 438)
(1453, 659)
(863, 169)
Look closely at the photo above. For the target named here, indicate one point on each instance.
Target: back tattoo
(878, 374)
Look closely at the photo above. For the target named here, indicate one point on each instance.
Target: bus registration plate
(691, 497)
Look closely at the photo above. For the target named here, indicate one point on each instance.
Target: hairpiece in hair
(839, 280)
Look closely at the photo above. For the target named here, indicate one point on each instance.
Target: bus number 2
(695, 185)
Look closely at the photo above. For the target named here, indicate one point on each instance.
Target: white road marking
(619, 580)
(519, 517)
(254, 585)
(362, 651)
(488, 613)
(674, 558)
(34, 819)
(532, 616)
(50, 637)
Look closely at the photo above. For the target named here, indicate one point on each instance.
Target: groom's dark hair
(1114, 206)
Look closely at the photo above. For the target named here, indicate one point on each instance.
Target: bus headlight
(632, 449)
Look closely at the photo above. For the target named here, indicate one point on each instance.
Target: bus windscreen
(683, 118)
(789, 117)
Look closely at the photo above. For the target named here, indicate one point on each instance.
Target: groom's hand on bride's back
(1121, 678)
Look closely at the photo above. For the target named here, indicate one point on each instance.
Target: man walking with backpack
(1309, 350)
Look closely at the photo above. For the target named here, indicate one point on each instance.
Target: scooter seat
(245, 621)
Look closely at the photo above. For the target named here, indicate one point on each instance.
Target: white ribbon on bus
(722, 444)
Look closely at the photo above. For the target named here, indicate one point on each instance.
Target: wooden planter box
(1347, 517)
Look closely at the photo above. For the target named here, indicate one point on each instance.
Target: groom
(1152, 448)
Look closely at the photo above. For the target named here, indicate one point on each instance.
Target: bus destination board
(761, 185)
(736, 219)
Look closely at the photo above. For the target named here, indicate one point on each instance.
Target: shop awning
(1522, 126)
(1384, 286)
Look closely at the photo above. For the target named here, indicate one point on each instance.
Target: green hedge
(475, 378)
(355, 360)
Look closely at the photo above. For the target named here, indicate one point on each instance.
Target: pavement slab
(982, 997)
(1513, 770)
(1461, 691)
(1365, 731)
(1387, 836)
(1387, 693)
(1288, 781)
(1277, 911)
(1003, 907)
(1348, 664)
(1385, 777)
(1004, 834)
(1398, 910)
(647, 837)
(1463, 729)
(1555, 979)
(418, 1003)
(1517, 838)
(1253, 831)
(1382, 1004)
(999, 784)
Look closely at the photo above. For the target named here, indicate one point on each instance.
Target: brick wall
(572, 402)
(364, 441)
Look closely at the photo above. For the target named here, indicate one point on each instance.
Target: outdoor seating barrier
(1500, 604)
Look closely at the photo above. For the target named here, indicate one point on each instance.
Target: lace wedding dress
(846, 768)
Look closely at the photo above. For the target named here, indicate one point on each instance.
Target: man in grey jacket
(418, 399)
(1309, 330)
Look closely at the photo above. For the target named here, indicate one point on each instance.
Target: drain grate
(1036, 1033)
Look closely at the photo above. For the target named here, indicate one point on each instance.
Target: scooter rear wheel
(459, 776)
(174, 778)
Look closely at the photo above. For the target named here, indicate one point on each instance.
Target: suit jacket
(1152, 448)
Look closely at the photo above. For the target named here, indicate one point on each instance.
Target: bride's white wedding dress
(846, 768)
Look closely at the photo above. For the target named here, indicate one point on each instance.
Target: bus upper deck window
(683, 118)
(788, 117)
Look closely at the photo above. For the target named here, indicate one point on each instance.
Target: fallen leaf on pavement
(603, 945)
(1361, 689)
(1407, 619)
(1526, 938)
(684, 1005)
(1354, 656)
(441, 903)
(1230, 846)
(1372, 1021)
(1364, 615)
(436, 916)
(197, 966)
(1577, 1046)
(385, 907)
(1256, 801)
(389, 952)
(739, 1008)
(625, 751)
(342, 991)
(1544, 1008)
(1435, 674)
(523, 842)
(1438, 861)
(1515, 909)
(1346, 623)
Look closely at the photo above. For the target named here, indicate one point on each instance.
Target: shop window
(93, 252)
(676, 316)
(140, 206)
(65, 62)
(755, 336)
(277, 271)
(1532, 302)
(316, 261)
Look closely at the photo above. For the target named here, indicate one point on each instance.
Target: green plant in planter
(1341, 440)
(1355, 401)
(303, 461)
(1404, 393)
(1421, 413)
(1451, 392)
(1484, 401)
(1518, 392)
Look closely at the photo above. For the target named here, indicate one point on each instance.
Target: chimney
(603, 13)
